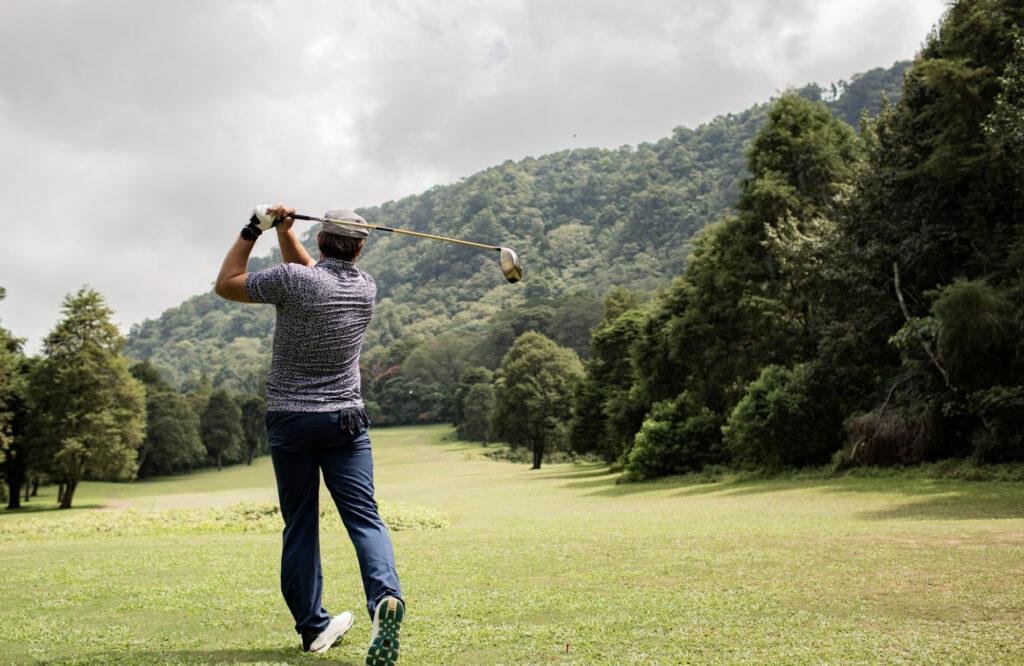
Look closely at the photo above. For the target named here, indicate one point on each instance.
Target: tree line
(81, 410)
(863, 305)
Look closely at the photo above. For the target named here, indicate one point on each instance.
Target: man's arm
(292, 251)
(231, 279)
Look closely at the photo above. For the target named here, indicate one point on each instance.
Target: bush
(678, 436)
(897, 436)
(785, 419)
(978, 334)
(1001, 437)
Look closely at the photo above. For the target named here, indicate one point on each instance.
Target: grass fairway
(843, 571)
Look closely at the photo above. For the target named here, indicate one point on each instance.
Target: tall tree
(942, 196)
(172, 442)
(13, 444)
(477, 413)
(254, 429)
(470, 377)
(740, 305)
(534, 389)
(936, 220)
(90, 413)
(221, 428)
(1005, 126)
(607, 413)
(742, 308)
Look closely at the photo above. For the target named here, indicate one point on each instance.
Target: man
(315, 418)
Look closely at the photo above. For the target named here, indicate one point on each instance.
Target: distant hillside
(583, 221)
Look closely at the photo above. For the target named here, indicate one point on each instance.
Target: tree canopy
(534, 389)
(221, 428)
(90, 412)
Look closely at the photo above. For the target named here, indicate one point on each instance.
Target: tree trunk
(35, 486)
(14, 497)
(60, 492)
(252, 450)
(218, 461)
(15, 477)
(920, 338)
(143, 451)
(69, 494)
(28, 489)
(538, 455)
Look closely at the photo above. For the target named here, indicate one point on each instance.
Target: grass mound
(241, 518)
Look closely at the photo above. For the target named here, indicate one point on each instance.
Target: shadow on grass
(49, 507)
(947, 499)
(584, 471)
(213, 656)
(937, 499)
(961, 506)
(611, 487)
(598, 476)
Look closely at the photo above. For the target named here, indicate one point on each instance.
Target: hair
(335, 246)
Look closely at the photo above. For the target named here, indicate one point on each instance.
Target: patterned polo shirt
(322, 315)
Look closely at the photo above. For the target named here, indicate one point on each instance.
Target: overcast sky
(137, 136)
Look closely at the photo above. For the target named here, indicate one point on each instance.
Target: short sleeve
(277, 284)
(371, 283)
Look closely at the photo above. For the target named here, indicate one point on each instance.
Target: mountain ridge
(583, 220)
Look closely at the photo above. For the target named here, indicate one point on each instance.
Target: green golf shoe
(387, 620)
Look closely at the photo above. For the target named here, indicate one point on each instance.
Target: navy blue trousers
(338, 444)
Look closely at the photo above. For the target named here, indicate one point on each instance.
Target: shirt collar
(340, 263)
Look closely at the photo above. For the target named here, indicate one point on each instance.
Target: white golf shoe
(387, 619)
(332, 634)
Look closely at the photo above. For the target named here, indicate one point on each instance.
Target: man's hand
(267, 217)
(282, 214)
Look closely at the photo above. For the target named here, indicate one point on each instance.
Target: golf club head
(511, 267)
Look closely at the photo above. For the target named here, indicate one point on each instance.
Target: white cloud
(137, 135)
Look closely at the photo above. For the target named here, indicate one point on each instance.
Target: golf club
(511, 267)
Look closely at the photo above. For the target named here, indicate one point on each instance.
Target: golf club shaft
(407, 232)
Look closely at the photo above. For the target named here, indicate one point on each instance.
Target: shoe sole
(341, 634)
(383, 650)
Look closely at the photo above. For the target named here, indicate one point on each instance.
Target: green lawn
(840, 571)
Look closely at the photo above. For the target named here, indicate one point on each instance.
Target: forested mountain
(864, 304)
(583, 221)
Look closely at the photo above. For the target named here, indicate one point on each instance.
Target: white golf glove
(261, 221)
(264, 219)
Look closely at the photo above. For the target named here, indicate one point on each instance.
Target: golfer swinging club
(315, 418)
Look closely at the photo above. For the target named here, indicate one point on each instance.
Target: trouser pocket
(285, 429)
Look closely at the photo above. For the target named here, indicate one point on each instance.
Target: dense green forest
(584, 221)
(864, 303)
